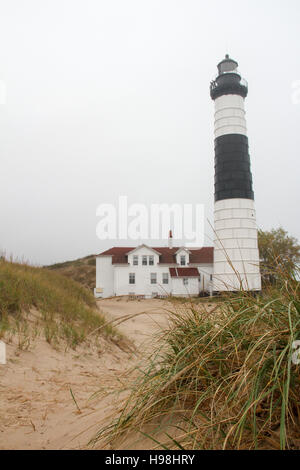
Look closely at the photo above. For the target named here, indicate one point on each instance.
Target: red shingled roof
(118, 254)
(184, 272)
(203, 255)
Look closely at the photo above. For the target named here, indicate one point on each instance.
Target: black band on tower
(233, 178)
(228, 84)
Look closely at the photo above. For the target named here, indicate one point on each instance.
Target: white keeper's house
(154, 271)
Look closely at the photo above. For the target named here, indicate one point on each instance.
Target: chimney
(170, 239)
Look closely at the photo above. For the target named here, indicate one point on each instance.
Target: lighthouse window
(182, 260)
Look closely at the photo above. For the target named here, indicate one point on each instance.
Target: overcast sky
(111, 97)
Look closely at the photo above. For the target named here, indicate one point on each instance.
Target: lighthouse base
(236, 257)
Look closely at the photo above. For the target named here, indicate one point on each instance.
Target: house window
(165, 278)
(151, 260)
(153, 278)
(132, 278)
(144, 261)
(185, 281)
(210, 277)
(182, 260)
(135, 260)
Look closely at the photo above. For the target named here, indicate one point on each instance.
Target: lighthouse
(236, 256)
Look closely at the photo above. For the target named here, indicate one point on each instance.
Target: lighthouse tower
(236, 257)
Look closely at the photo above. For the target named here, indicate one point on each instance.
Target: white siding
(105, 275)
(206, 271)
(142, 284)
(179, 289)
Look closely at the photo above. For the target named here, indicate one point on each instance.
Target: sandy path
(36, 407)
(148, 317)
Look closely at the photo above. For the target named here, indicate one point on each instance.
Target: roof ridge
(199, 256)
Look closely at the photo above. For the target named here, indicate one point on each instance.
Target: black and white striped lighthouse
(236, 257)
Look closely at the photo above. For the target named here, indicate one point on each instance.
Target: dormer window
(144, 261)
(182, 260)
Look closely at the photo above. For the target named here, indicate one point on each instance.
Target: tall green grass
(221, 380)
(66, 310)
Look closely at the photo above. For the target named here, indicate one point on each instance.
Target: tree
(277, 248)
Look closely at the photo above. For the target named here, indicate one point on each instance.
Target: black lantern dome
(228, 81)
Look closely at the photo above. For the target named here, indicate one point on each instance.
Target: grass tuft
(222, 380)
(32, 298)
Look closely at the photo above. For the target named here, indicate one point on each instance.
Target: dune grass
(34, 299)
(82, 270)
(223, 380)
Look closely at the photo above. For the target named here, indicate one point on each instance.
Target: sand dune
(37, 410)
